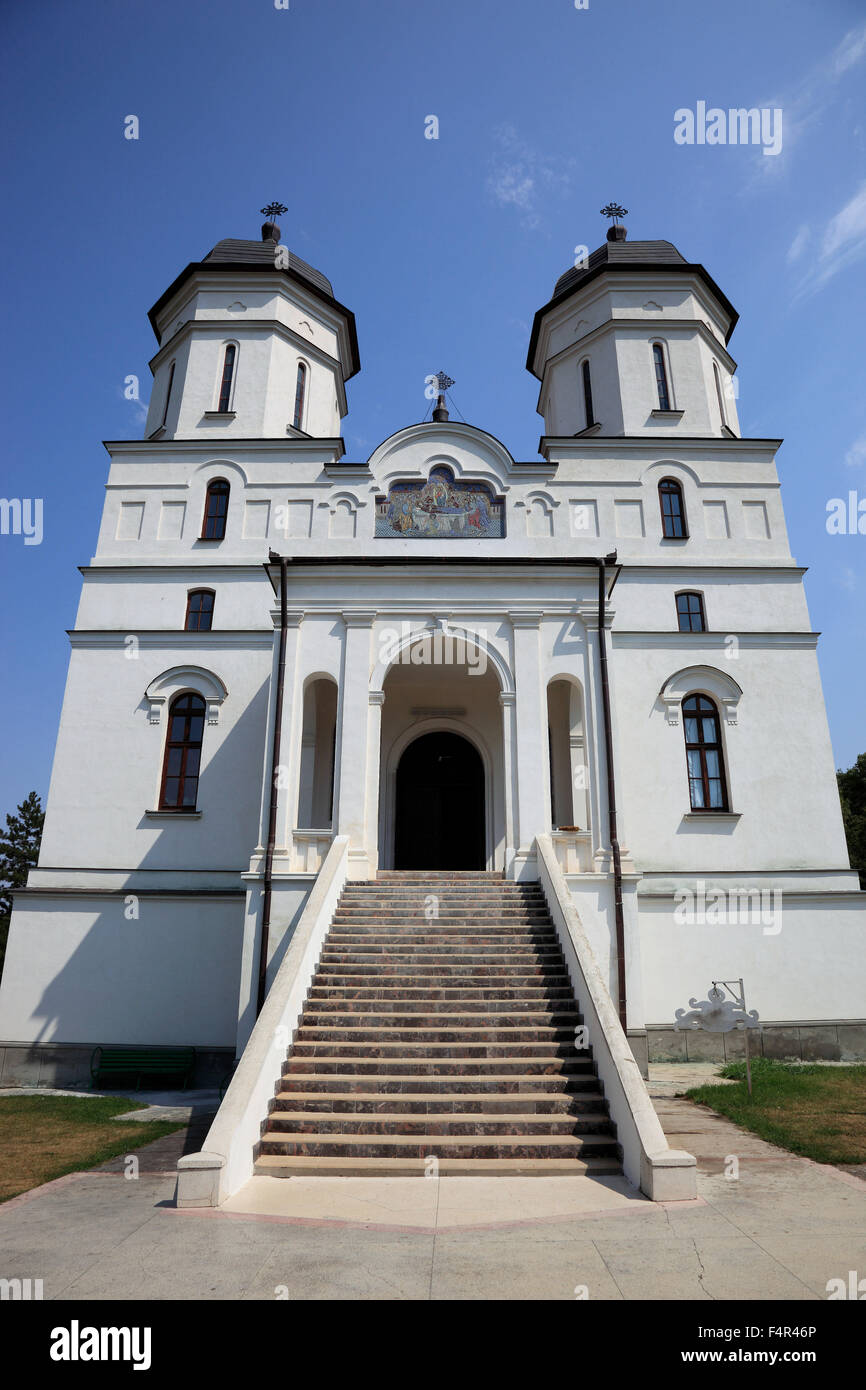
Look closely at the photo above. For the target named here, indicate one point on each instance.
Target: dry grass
(43, 1137)
(816, 1111)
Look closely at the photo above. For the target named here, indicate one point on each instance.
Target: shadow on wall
(142, 974)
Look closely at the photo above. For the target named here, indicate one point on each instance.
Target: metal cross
(274, 210)
(614, 211)
(444, 381)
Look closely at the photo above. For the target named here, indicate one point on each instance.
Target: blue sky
(443, 248)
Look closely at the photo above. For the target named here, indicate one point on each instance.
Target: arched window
(661, 377)
(673, 510)
(704, 758)
(216, 508)
(199, 610)
(167, 395)
(227, 378)
(182, 753)
(300, 393)
(690, 612)
(587, 394)
(719, 396)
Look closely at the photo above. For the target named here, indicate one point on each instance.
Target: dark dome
(232, 252)
(620, 253)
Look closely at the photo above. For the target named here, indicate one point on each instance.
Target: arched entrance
(440, 805)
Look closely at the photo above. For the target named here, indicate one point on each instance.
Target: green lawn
(43, 1137)
(819, 1112)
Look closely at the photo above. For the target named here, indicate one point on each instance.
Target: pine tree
(852, 794)
(19, 850)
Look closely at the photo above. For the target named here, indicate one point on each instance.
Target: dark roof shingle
(233, 252)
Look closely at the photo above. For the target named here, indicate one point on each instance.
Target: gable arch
(701, 680)
(219, 468)
(478, 639)
(177, 681)
(669, 468)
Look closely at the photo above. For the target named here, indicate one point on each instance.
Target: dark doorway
(440, 805)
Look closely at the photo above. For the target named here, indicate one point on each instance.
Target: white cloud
(850, 51)
(807, 101)
(856, 455)
(798, 245)
(520, 175)
(842, 242)
(846, 231)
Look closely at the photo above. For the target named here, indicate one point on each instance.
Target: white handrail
(662, 1173)
(226, 1161)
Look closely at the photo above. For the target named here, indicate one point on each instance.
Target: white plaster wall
(778, 756)
(108, 763)
(813, 968)
(77, 971)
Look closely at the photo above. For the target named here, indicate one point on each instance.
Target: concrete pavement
(766, 1225)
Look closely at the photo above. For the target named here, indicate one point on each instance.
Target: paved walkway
(780, 1229)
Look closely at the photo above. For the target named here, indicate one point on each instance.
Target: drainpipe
(275, 762)
(611, 791)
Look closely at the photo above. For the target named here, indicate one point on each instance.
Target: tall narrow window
(216, 509)
(199, 610)
(300, 392)
(182, 753)
(167, 395)
(228, 376)
(587, 395)
(672, 509)
(661, 377)
(707, 789)
(720, 397)
(690, 613)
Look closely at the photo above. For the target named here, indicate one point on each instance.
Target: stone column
(374, 750)
(507, 699)
(353, 744)
(532, 760)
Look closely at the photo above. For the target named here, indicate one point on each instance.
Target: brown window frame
(586, 378)
(167, 395)
(300, 395)
(705, 710)
(672, 487)
(201, 611)
(187, 706)
(663, 390)
(691, 594)
(228, 376)
(213, 515)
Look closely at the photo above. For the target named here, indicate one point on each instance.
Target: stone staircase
(449, 1037)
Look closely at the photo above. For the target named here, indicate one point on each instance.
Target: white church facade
(444, 658)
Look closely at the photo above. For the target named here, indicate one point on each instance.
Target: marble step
(298, 1122)
(407, 1062)
(385, 1084)
(352, 1166)
(441, 1145)
(370, 1103)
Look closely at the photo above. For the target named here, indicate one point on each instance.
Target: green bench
(141, 1061)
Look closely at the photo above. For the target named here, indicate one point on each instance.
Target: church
(585, 683)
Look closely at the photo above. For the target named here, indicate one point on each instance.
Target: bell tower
(252, 345)
(634, 342)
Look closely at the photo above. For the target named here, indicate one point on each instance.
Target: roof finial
(443, 381)
(270, 230)
(615, 211)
